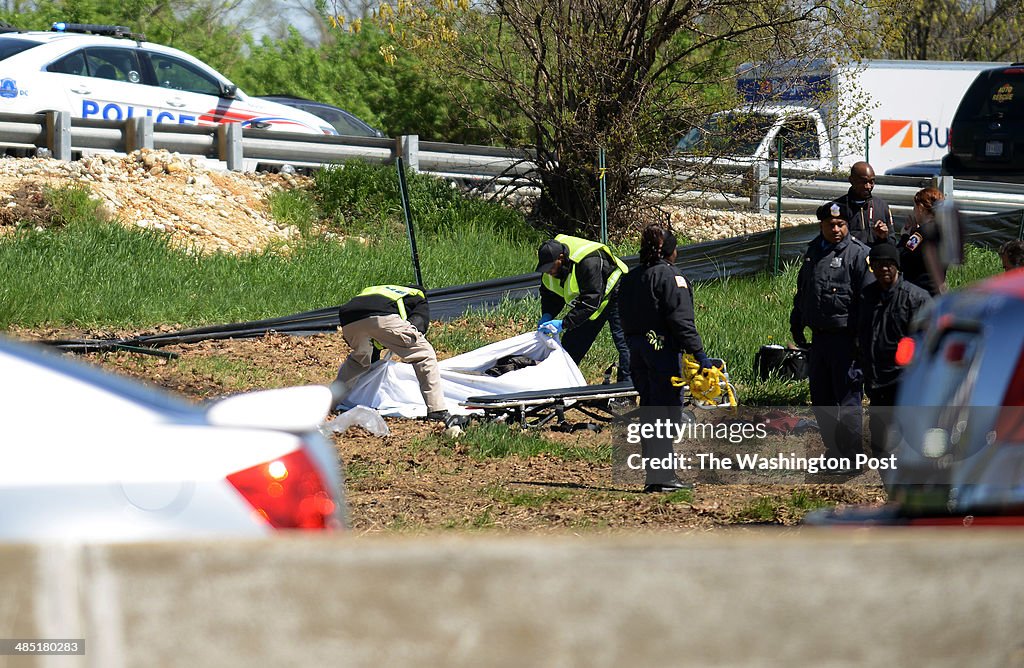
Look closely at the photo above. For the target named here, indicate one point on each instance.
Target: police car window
(180, 75)
(10, 46)
(113, 64)
(73, 63)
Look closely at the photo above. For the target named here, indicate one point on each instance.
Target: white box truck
(830, 115)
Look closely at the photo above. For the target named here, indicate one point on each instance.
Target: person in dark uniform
(583, 275)
(919, 258)
(867, 215)
(886, 310)
(395, 317)
(829, 285)
(656, 305)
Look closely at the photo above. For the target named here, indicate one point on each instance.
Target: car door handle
(177, 104)
(81, 90)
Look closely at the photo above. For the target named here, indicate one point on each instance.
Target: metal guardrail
(755, 187)
(239, 148)
(752, 187)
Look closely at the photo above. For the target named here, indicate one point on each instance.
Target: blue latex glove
(547, 317)
(703, 360)
(551, 327)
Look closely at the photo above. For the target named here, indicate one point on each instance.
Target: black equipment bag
(787, 363)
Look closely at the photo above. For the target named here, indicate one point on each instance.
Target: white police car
(106, 72)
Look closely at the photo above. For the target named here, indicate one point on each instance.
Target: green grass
(78, 270)
(525, 499)
(679, 496)
(91, 273)
(786, 509)
(498, 441)
(234, 374)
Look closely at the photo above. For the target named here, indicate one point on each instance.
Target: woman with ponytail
(656, 308)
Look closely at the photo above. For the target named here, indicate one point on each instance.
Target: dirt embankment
(198, 208)
(211, 210)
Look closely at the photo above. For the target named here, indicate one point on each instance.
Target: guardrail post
(408, 146)
(229, 145)
(944, 184)
(759, 192)
(58, 134)
(139, 133)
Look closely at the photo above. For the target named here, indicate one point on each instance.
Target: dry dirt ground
(415, 479)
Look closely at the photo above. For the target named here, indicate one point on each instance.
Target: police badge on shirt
(913, 241)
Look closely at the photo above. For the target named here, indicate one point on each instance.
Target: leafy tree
(292, 66)
(348, 71)
(211, 30)
(629, 77)
(985, 30)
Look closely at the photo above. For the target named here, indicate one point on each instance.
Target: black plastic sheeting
(739, 256)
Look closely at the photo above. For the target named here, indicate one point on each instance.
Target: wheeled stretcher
(601, 403)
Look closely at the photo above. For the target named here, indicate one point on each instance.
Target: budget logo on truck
(912, 134)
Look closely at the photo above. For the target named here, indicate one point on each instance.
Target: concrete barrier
(847, 598)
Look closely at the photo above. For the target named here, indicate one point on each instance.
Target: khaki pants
(405, 341)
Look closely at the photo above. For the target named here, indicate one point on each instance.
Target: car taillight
(287, 493)
(1010, 425)
(905, 351)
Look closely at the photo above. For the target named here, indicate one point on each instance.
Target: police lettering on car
(106, 73)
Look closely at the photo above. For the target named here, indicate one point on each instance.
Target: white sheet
(391, 387)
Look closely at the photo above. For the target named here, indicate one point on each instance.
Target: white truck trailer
(830, 115)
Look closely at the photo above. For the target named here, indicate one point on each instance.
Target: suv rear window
(12, 46)
(997, 96)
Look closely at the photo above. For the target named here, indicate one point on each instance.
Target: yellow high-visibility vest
(396, 293)
(570, 289)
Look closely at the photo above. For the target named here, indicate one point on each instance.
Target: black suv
(987, 134)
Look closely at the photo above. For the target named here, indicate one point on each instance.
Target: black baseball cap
(548, 254)
(884, 252)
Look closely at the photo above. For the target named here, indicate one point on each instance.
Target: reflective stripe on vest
(570, 289)
(396, 293)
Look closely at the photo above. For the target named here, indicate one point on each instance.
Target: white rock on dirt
(209, 210)
(204, 209)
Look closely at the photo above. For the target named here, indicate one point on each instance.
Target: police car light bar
(93, 29)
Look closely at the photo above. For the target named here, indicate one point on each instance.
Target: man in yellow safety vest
(395, 317)
(583, 275)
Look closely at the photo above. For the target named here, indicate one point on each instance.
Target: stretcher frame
(538, 408)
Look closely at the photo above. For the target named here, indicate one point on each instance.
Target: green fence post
(407, 210)
(601, 185)
(778, 207)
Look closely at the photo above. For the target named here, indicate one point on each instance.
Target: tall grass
(82, 271)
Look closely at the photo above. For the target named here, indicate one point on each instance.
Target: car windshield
(728, 134)
(12, 46)
(1000, 96)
